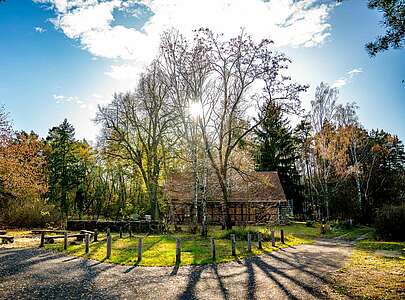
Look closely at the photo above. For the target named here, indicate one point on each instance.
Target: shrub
(242, 232)
(310, 223)
(30, 214)
(390, 222)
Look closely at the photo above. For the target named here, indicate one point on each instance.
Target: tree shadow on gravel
(193, 279)
(292, 276)
(59, 278)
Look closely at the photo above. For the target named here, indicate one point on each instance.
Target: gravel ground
(294, 273)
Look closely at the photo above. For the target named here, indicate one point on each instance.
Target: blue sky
(62, 58)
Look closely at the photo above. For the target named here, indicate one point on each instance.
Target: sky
(62, 58)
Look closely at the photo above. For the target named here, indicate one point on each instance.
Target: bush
(241, 233)
(30, 214)
(310, 223)
(390, 222)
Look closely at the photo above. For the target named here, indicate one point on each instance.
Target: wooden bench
(6, 239)
(50, 239)
(87, 232)
(39, 231)
(3, 232)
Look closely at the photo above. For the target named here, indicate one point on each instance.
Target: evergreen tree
(65, 170)
(276, 151)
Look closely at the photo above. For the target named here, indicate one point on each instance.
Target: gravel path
(294, 273)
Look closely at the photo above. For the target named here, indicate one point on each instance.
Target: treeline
(207, 106)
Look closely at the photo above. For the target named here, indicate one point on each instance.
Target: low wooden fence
(88, 234)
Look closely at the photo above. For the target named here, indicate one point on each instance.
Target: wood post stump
(273, 240)
(120, 232)
(178, 251)
(282, 236)
(87, 242)
(323, 229)
(259, 240)
(233, 241)
(108, 243)
(42, 240)
(249, 240)
(130, 230)
(213, 250)
(65, 241)
(95, 235)
(139, 250)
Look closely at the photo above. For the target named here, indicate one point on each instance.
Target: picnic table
(50, 239)
(6, 239)
(40, 231)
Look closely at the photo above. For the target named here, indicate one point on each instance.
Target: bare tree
(244, 75)
(135, 128)
(186, 69)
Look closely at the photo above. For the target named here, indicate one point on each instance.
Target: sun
(195, 109)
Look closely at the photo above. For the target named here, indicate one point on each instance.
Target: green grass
(370, 275)
(350, 233)
(159, 250)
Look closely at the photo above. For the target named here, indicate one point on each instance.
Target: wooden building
(256, 198)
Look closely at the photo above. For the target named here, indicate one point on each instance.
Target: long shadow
(224, 290)
(298, 266)
(269, 274)
(193, 279)
(175, 269)
(56, 281)
(270, 270)
(251, 285)
(21, 261)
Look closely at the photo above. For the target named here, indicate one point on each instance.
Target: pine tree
(65, 170)
(276, 150)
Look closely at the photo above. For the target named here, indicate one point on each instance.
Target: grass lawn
(376, 271)
(159, 250)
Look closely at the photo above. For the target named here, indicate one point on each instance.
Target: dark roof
(252, 187)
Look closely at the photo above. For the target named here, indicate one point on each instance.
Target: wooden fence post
(139, 250)
(87, 241)
(95, 235)
(233, 240)
(130, 230)
(249, 238)
(65, 240)
(273, 241)
(108, 243)
(120, 232)
(282, 236)
(42, 240)
(259, 240)
(178, 251)
(213, 251)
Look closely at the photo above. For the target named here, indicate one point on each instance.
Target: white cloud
(90, 103)
(288, 22)
(39, 29)
(128, 72)
(342, 81)
(355, 71)
(63, 99)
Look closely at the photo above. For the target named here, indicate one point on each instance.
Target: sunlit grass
(160, 250)
(370, 274)
(350, 234)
